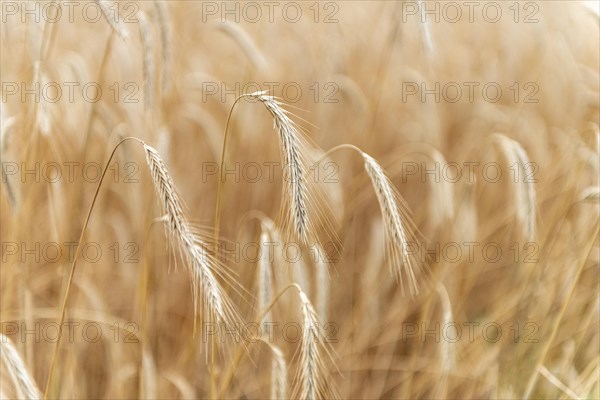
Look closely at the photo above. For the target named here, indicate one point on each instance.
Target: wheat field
(334, 199)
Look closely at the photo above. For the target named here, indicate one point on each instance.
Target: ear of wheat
(391, 208)
(525, 195)
(296, 186)
(309, 354)
(278, 374)
(15, 370)
(311, 373)
(203, 268)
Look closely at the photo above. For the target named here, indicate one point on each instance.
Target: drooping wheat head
(295, 179)
(391, 205)
(202, 266)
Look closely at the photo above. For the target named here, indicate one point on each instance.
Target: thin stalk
(74, 265)
(533, 379)
(220, 183)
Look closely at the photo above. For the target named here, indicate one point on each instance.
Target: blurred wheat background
(528, 317)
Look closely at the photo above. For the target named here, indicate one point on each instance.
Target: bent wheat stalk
(296, 186)
(395, 220)
(202, 266)
(206, 291)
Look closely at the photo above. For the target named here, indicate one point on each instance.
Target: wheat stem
(74, 265)
(540, 362)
